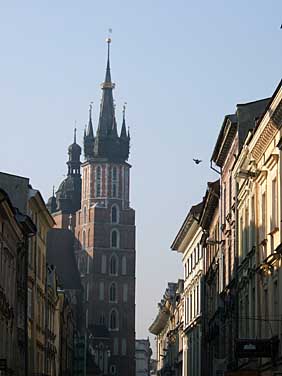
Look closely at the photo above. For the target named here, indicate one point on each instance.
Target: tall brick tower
(105, 230)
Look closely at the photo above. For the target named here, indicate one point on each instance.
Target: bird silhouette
(197, 161)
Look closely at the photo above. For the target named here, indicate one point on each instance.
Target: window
(113, 292)
(274, 220)
(98, 181)
(263, 216)
(115, 239)
(113, 320)
(123, 265)
(252, 222)
(115, 346)
(125, 293)
(104, 264)
(112, 369)
(101, 290)
(87, 291)
(114, 214)
(123, 346)
(114, 182)
(113, 265)
(88, 238)
(83, 239)
(102, 319)
(84, 214)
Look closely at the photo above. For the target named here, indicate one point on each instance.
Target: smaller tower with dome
(67, 199)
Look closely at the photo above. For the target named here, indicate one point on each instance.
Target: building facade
(168, 329)
(143, 353)
(188, 243)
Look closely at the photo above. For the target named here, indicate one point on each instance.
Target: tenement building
(104, 227)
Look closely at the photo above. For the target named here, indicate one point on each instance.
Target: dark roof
(243, 121)
(211, 200)
(192, 215)
(224, 140)
(60, 253)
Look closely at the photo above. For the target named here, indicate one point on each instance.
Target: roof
(60, 253)
(244, 120)
(224, 140)
(210, 203)
(192, 216)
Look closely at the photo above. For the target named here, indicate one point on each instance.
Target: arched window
(115, 214)
(84, 215)
(83, 239)
(102, 319)
(78, 240)
(115, 239)
(113, 292)
(113, 320)
(114, 182)
(88, 238)
(123, 265)
(113, 265)
(98, 181)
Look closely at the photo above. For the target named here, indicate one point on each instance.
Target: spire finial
(123, 110)
(90, 110)
(53, 191)
(74, 133)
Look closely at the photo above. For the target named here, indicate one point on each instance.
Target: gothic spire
(123, 127)
(89, 131)
(107, 112)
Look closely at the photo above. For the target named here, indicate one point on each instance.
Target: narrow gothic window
(113, 265)
(123, 346)
(115, 239)
(84, 214)
(123, 265)
(102, 319)
(114, 214)
(101, 290)
(88, 240)
(114, 182)
(83, 240)
(98, 181)
(113, 292)
(113, 320)
(104, 264)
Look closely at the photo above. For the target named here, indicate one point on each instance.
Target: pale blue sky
(180, 65)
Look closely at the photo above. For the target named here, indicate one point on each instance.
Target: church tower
(67, 201)
(105, 230)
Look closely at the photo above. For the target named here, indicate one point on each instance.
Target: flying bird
(197, 161)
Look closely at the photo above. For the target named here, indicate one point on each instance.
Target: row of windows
(113, 265)
(193, 260)
(265, 218)
(114, 239)
(113, 319)
(192, 304)
(114, 215)
(112, 293)
(114, 181)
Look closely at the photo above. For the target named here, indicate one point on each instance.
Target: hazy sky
(180, 65)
